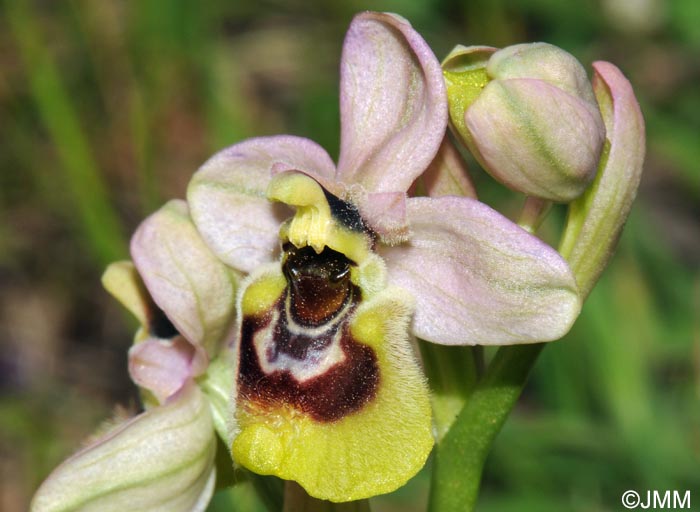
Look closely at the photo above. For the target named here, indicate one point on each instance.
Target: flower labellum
(329, 393)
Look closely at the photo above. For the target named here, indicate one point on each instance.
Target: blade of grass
(95, 217)
(105, 34)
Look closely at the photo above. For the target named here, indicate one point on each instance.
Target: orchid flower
(316, 278)
(328, 391)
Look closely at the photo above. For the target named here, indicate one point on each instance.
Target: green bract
(596, 219)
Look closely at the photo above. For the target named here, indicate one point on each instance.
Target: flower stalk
(460, 456)
(534, 212)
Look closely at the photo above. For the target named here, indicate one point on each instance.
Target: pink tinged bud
(596, 219)
(535, 125)
(161, 460)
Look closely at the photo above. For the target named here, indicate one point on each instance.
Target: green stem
(460, 456)
(296, 500)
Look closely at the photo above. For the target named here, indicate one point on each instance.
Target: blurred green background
(107, 108)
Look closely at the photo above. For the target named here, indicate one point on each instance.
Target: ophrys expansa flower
(328, 391)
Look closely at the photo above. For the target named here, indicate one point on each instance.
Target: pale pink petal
(163, 366)
(194, 288)
(477, 278)
(385, 214)
(393, 104)
(227, 196)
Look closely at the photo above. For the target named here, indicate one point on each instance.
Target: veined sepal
(161, 460)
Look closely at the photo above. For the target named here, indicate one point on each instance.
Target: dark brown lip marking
(342, 390)
(318, 302)
(319, 284)
(319, 293)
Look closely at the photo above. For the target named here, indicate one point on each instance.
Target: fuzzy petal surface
(161, 460)
(186, 280)
(480, 279)
(385, 213)
(227, 196)
(393, 104)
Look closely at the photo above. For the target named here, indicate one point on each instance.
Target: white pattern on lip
(317, 361)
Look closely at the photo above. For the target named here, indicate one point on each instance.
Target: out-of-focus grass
(107, 108)
(76, 175)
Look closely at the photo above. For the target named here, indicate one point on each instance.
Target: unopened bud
(528, 115)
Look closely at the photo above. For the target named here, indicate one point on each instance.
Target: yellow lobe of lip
(371, 451)
(262, 293)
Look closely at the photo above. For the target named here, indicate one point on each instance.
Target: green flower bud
(528, 115)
